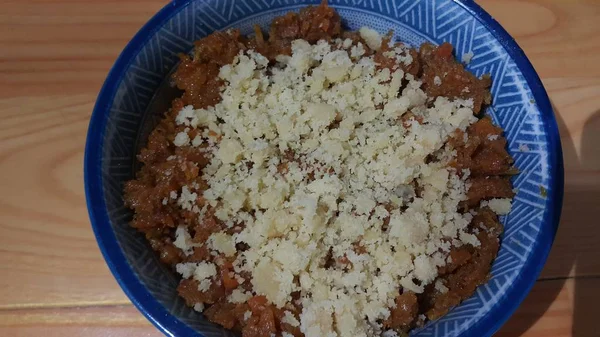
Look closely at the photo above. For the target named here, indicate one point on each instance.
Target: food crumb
(199, 307)
(543, 191)
(467, 57)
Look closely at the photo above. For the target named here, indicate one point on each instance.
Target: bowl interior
(137, 93)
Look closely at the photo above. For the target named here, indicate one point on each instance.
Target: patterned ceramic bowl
(136, 93)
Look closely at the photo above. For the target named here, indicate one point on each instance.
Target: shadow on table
(577, 236)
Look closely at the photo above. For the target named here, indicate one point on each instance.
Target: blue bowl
(136, 93)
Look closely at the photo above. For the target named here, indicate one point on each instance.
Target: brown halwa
(480, 153)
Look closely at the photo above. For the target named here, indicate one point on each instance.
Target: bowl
(137, 92)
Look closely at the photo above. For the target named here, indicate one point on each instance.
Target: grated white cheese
(439, 286)
(204, 285)
(201, 272)
(371, 37)
(187, 198)
(239, 296)
(332, 194)
(467, 57)
(185, 269)
(197, 141)
(223, 243)
(289, 318)
(204, 270)
(498, 206)
(181, 139)
(199, 307)
(389, 333)
(183, 241)
(357, 51)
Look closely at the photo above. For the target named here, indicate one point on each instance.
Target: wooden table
(55, 54)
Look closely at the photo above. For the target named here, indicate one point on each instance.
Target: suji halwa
(322, 182)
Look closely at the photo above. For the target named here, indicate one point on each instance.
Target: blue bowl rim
(170, 325)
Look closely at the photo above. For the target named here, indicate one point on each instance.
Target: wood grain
(560, 37)
(46, 245)
(54, 56)
(77, 321)
(557, 308)
(60, 46)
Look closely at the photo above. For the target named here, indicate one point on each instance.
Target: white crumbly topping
(203, 272)
(371, 37)
(347, 43)
(239, 296)
(437, 80)
(183, 241)
(357, 51)
(498, 206)
(389, 333)
(401, 54)
(187, 198)
(223, 243)
(289, 318)
(493, 137)
(181, 139)
(467, 57)
(342, 184)
(197, 141)
(199, 307)
(441, 287)
(185, 269)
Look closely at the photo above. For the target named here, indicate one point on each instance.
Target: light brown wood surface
(54, 56)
